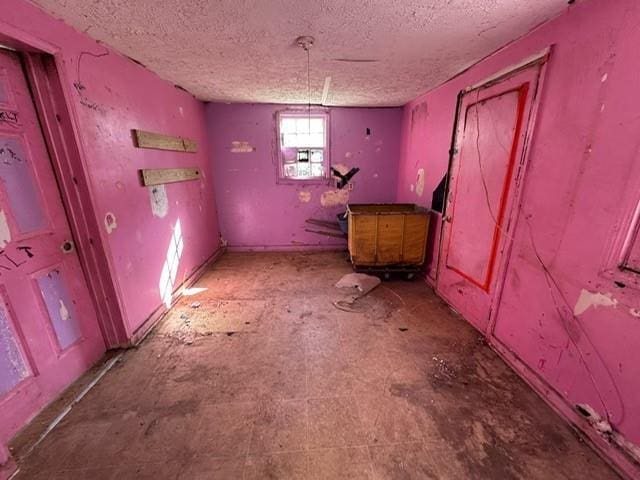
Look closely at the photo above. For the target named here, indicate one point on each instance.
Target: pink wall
(256, 212)
(117, 95)
(580, 189)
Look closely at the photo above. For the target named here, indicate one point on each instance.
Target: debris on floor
(444, 371)
(195, 305)
(183, 411)
(361, 282)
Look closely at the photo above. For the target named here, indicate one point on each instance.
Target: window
(303, 151)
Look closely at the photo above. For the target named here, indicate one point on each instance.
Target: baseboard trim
(287, 248)
(159, 313)
(611, 455)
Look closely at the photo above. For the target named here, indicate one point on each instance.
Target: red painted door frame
(51, 94)
(506, 212)
(522, 92)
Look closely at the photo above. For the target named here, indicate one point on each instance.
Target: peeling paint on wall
(64, 313)
(635, 312)
(110, 222)
(593, 299)
(332, 198)
(304, 197)
(5, 233)
(609, 432)
(241, 147)
(420, 182)
(159, 201)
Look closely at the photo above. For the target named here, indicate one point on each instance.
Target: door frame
(540, 61)
(48, 80)
(613, 456)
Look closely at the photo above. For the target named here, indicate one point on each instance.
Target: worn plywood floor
(267, 379)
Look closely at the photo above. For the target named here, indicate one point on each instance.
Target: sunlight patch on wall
(170, 268)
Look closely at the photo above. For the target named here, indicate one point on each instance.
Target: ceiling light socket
(305, 42)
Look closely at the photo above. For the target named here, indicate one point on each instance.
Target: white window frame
(326, 156)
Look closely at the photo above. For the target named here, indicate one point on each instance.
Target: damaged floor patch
(593, 299)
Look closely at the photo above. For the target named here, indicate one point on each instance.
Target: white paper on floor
(362, 282)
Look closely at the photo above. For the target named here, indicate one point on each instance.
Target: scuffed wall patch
(241, 147)
(304, 197)
(593, 299)
(419, 114)
(420, 182)
(110, 222)
(5, 233)
(333, 198)
(159, 201)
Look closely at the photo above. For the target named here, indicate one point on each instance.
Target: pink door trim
(49, 80)
(537, 61)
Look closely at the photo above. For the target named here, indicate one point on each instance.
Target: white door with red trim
(485, 172)
(49, 333)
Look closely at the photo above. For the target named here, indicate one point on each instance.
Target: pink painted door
(49, 334)
(484, 176)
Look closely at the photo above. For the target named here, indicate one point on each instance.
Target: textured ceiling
(244, 50)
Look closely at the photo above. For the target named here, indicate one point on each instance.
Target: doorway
(49, 332)
(485, 174)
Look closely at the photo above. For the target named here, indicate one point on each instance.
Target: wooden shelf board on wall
(160, 176)
(159, 141)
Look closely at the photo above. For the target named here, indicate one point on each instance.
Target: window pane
(303, 155)
(302, 125)
(290, 170)
(303, 140)
(287, 125)
(316, 140)
(289, 140)
(317, 155)
(317, 170)
(317, 125)
(304, 170)
(20, 186)
(289, 154)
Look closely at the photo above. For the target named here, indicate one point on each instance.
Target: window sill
(304, 181)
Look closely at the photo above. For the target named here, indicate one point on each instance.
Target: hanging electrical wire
(306, 42)
(308, 90)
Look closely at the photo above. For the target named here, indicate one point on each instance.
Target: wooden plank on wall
(143, 139)
(159, 176)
